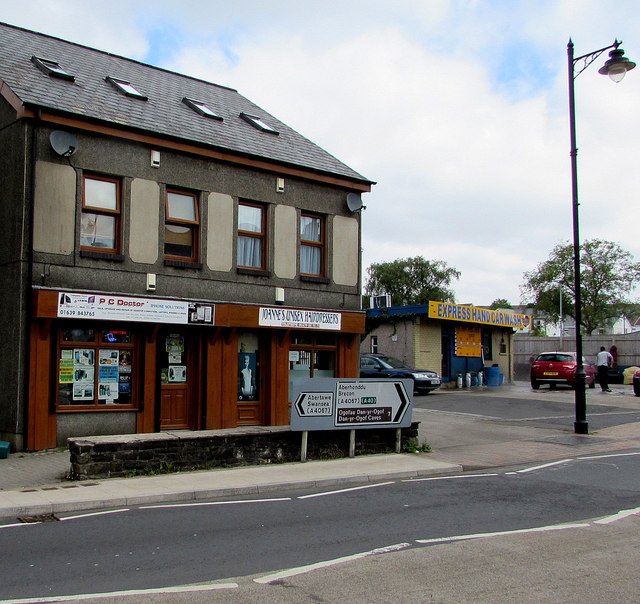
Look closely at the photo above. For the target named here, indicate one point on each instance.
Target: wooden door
(250, 411)
(177, 377)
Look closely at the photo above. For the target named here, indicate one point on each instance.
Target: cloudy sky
(456, 108)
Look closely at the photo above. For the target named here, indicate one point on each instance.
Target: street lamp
(616, 67)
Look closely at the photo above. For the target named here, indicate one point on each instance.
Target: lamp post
(616, 67)
(561, 318)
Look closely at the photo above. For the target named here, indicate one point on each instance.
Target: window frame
(127, 88)
(321, 245)
(116, 214)
(52, 68)
(258, 123)
(201, 108)
(96, 344)
(262, 236)
(194, 225)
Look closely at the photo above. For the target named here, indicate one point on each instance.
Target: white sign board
(145, 310)
(335, 404)
(291, 318)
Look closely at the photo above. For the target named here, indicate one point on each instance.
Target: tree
(412, 280)
(500, 303)
(608, 276)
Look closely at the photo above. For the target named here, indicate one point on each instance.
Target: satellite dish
(354, 202)
(63, 143)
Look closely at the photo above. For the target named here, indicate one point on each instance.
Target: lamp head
(617, 65)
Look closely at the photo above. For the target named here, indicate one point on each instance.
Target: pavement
(35, 485)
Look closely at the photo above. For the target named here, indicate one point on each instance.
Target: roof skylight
(257, 122)
(52, 68)
(201, 108)
(126, 88)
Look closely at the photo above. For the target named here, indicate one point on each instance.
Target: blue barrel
(492, 376)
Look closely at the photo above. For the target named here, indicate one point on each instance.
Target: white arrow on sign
(315, 404)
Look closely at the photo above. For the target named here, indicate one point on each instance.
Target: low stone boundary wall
(165, 452)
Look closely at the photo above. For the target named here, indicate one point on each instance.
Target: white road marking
(460, 413)
(94, 514)
(368, 486)
(126, 593)
(454, 477)
(207, 503)
(619, 516)
(539, 529)
(291, 572)
(546, 465)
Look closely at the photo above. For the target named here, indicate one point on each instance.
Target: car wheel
(636, 389)
(535, 385)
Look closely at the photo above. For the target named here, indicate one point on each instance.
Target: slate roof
(90, 96)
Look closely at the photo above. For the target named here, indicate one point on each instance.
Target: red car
(559, 368)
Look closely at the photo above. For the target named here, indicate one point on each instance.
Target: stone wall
(144, 454)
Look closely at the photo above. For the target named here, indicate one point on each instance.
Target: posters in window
(84, 356)
(177, 373)
(107, 391)
(247, 376)
(66, 371)
(107, 374)
(125, 361)
(83, 391)
(107, 356)
(83, 374)
(174, 343)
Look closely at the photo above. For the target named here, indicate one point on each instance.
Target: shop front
(456, 340)
(110, 364)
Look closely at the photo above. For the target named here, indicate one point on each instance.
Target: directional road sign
(334, 404)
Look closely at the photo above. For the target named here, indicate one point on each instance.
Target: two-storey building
(172, 256)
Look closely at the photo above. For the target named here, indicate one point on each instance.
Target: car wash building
(452, 339)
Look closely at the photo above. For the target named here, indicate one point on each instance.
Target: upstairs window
(181, 226)
(201, 108)
(251, 236)
(258, 122)
(100, 218)
(312, 245)
(52, 68)
(126, 88)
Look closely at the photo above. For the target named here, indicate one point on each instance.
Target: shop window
(97, 368)
(100, 218)
(251, 236)
(312, 245)
(311, 356)
(181, 226)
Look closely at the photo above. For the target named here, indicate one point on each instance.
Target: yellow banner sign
(475, 314)
(468, 342)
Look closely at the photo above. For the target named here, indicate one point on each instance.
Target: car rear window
(555, 358)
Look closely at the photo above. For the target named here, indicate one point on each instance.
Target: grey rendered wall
(394, 339)
(207, 177)
(14, 199)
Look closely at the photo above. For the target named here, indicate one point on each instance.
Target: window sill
(183, 264)
(254, 272)
(312, 279)
(101, 256)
